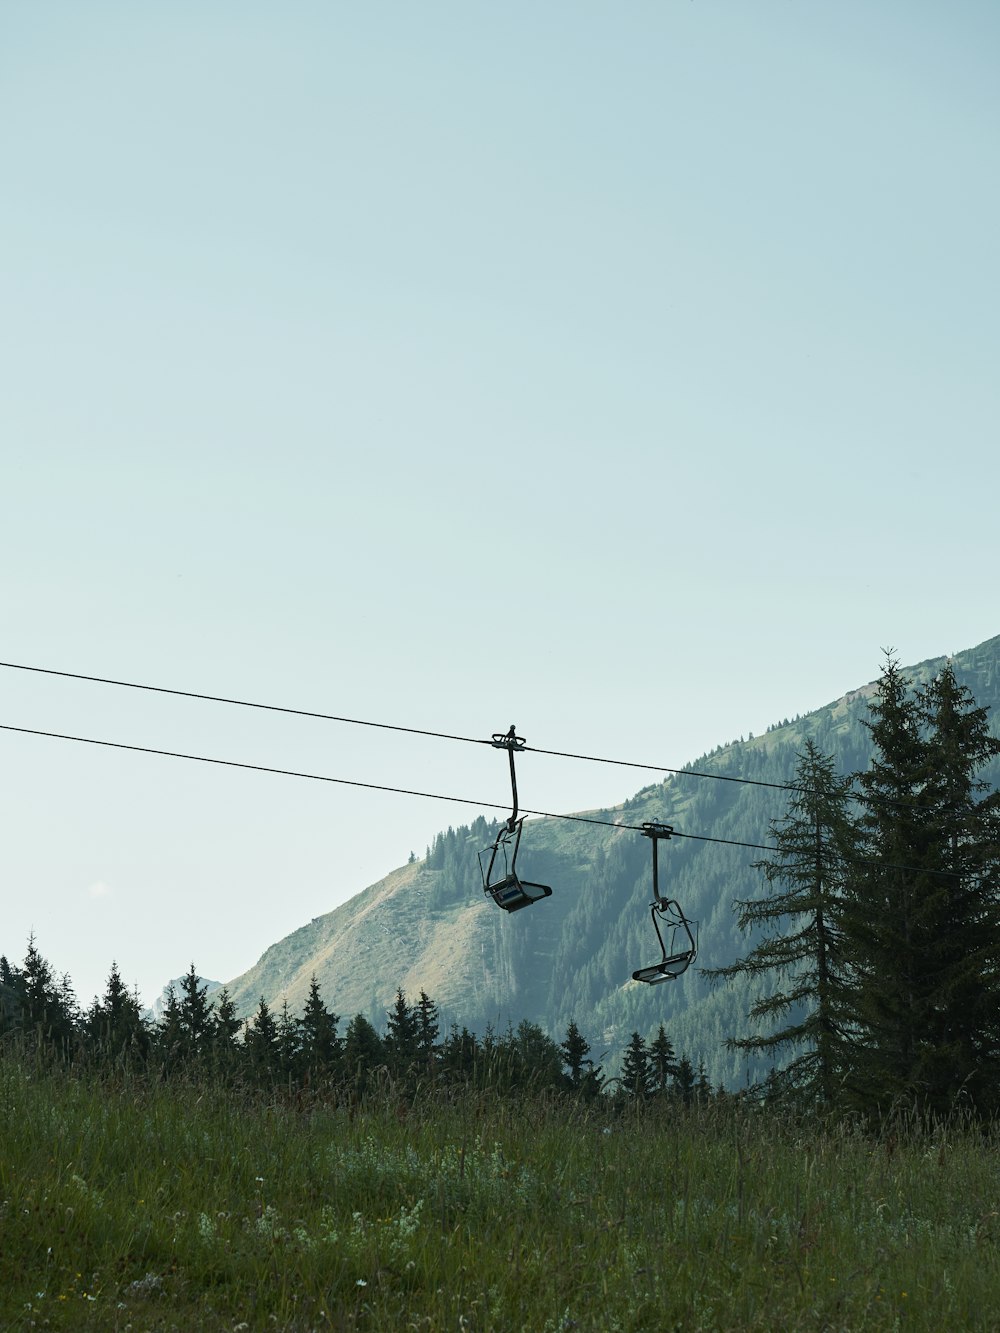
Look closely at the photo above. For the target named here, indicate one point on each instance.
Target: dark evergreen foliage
(804, 948)
(925, 920)
(636, 1076)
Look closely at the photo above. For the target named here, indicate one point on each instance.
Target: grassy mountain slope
(427, 925)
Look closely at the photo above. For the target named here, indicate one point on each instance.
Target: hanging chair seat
(512, 893)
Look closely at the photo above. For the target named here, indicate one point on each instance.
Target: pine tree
(804, 945)
(961, 1047)
(684, 1082)
(115, 1025)
(318, 1035)
(363, 1052)
(47, 1006)
(260, 1045)
(582, 1077)
(574, 1049)
(663, 1061)
(402, 1036)
(459, 1053)
(702, 1085)
(927, 922)
(194, 1018)
(11, 997)
(636, 1076)
(886, 891)
(287, 1043)
(538, 1059)
(226, 1027)
(168, 1036)
(427, 1032)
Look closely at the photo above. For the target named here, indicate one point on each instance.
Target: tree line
(880, 926)
(203, 1038)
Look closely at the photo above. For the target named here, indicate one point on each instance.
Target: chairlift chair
(500, 878)
(501, 881)
(674, 960)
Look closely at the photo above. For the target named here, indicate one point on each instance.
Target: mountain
(427, 926)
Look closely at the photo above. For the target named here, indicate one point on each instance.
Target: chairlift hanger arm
(505, 886)
(655, 832)
(510, 741)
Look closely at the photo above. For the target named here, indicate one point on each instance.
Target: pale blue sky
(626, 372)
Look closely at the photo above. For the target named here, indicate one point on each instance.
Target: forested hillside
(427, 926)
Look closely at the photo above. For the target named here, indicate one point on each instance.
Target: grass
(131, 1207)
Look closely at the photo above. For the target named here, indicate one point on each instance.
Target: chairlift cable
(389, 726)
(421, 731)
(244, 703)
(662, 768)
(370, 786)
(435, 796)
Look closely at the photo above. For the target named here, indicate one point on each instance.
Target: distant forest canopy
(427, 926)
(200, 1038)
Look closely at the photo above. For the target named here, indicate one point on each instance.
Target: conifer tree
(195, 1015)
(960, 1050)
(702, 1085)
(168, 1036)
(459, 1053)
(582, 1077)
(538, 1060)
(226, 1028)
(684, 1082)
(925, 923)
(662, 1060)
(636, 1076)
(803, 947)
(363, 1052)
(887, 888)
(260, 1045)
(318, 1034)
(287, 1043)
(402, 1036)
(427, 1031)
(11, 997)
(574, 1049)
(115, 1025)
(47, 1006)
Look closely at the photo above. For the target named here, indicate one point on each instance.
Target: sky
(626, 373)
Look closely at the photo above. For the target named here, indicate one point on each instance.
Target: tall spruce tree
(402, 1036)
(427, 1031)
(11, 997)
(925, 921)
(803, 946)
(663, 1061)
(574, 1049)
(318, 1034)
(636, 1076)
(195, 1012)
(48, 1006)
(261, 1051)
(960, 1053)
(364, 1053)
(114, 1025)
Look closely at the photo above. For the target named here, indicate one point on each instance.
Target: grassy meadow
(130, 1207)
